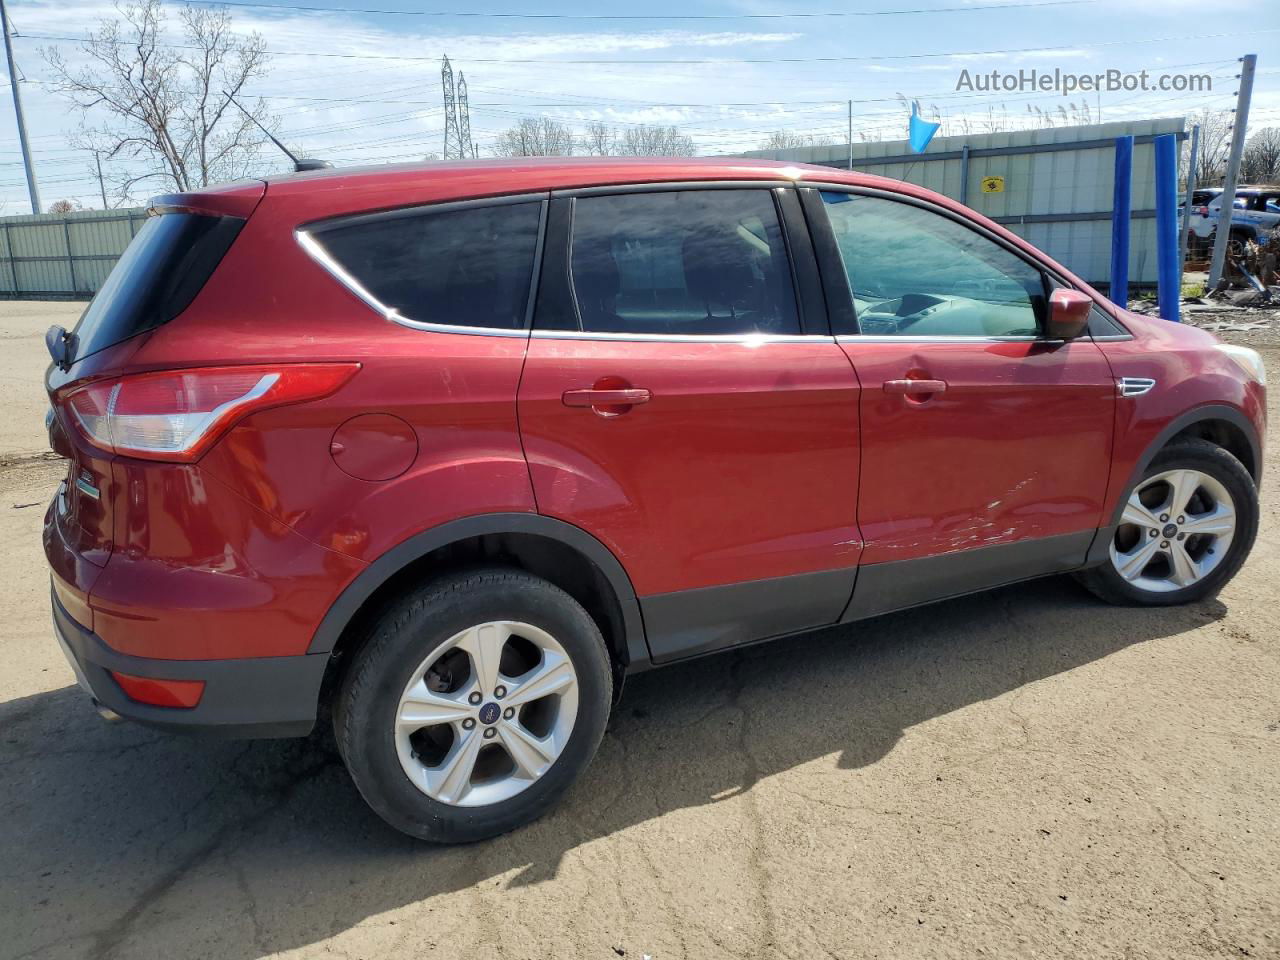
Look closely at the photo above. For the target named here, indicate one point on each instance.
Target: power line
(470, 14)
(711, 61)
(616, 103)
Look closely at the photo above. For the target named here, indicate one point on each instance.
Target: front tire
(477, 700)
(1186, 529)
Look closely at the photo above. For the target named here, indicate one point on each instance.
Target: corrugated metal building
(55, 255)
(1056, 190)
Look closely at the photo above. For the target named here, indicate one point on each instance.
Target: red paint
(161, 693)
(1068, 313)
(741, 462)
(456, 392)
(374, 446)
(199, 573)
(1190, 373)
(1016, 446)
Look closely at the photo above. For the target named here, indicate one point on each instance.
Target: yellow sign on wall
(993, 184)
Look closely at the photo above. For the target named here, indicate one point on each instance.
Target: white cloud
(398, 110)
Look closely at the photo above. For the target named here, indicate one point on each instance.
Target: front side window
(469, 267)
(686, 262)
(913, 272)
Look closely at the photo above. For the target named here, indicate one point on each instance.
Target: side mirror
(1068, 314)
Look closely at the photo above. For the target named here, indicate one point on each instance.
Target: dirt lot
(1022, 773)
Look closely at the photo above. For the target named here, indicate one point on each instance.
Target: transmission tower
(464, 120)
(453, 142)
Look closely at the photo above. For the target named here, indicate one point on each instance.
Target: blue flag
(921, 131)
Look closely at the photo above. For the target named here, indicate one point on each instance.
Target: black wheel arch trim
(1099, 549)
(349, 602)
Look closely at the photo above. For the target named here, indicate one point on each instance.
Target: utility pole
(850, 134)
(32, 189)
(1238, 131)
(1186, 203)
(97, 159)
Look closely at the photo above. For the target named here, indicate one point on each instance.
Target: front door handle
(914, 387)
(606, 401)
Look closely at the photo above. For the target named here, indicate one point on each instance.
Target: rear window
(469, 267)
(164, 267)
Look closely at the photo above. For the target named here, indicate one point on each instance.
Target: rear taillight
(1202, 211)
(179, 414)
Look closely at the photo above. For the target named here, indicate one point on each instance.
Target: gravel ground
(1022, 773)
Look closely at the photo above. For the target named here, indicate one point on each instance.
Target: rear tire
(1188, 527)
(477, 700)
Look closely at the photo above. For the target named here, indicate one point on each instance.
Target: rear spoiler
(232, 200)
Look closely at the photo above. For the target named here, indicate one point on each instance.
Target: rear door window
(159, 274)
(465, 267)
(683, 262)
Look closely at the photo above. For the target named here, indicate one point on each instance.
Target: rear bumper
(249, 698)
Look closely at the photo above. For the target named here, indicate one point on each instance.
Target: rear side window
(469, 267)
(683, 262)
(161, 271)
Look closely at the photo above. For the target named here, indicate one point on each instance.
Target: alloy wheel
(486, 714)
(1176, 529)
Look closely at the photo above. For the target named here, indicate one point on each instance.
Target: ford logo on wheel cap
(489, 713)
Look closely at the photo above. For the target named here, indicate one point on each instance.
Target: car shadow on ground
(266, 846)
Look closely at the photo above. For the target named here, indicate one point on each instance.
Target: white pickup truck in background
(1255, 214)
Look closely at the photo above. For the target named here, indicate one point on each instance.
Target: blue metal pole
(1120, 208)
(1169, 276)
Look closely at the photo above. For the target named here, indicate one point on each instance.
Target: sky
(358, 81)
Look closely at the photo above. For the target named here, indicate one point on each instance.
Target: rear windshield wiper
(62, 346)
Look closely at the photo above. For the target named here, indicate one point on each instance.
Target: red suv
(450, 449)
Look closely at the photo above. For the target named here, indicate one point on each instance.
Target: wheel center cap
(490, 713)
(1170, 530)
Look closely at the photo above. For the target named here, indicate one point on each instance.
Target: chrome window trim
(305, 238)
(940, 338)
(750, 339)
(956, 338)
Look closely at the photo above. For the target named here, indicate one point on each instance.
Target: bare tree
(654, 141)
(536, 137)
(64, 206)
(167, 106)
(599, 139)
(1261, 160)
(787, 140)
(642, 140)
(1215, 145)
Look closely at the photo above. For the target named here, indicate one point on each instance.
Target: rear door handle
(915, 387)
(606, 401)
